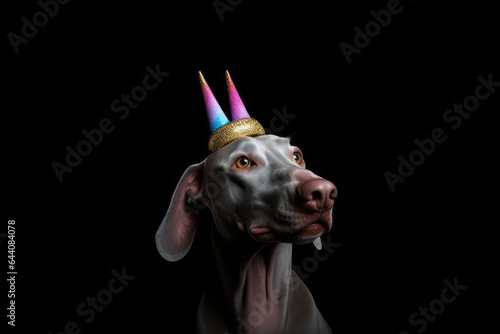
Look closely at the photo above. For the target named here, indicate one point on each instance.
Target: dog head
(256, 187)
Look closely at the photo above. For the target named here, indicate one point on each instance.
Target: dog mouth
(304, 233)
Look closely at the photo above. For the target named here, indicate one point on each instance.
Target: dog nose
(317, 194)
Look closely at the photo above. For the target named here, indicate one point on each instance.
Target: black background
(352, 121)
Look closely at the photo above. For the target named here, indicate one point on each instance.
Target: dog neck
(257, 281)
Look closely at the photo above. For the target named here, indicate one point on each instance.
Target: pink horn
(216, 116)
(238, 109)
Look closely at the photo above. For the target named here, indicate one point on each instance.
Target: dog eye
(297, 157)
(243, 162)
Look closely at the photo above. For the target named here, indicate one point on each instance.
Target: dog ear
(176, 232)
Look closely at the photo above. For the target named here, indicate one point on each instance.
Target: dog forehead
(282, 142)
(265, 144)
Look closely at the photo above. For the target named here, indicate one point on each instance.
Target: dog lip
(259, 230)
(313, 228)
(324, 219)
(310, 229)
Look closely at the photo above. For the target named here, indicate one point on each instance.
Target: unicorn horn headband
(224, 131)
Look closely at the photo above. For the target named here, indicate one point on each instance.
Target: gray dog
(262, 200)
